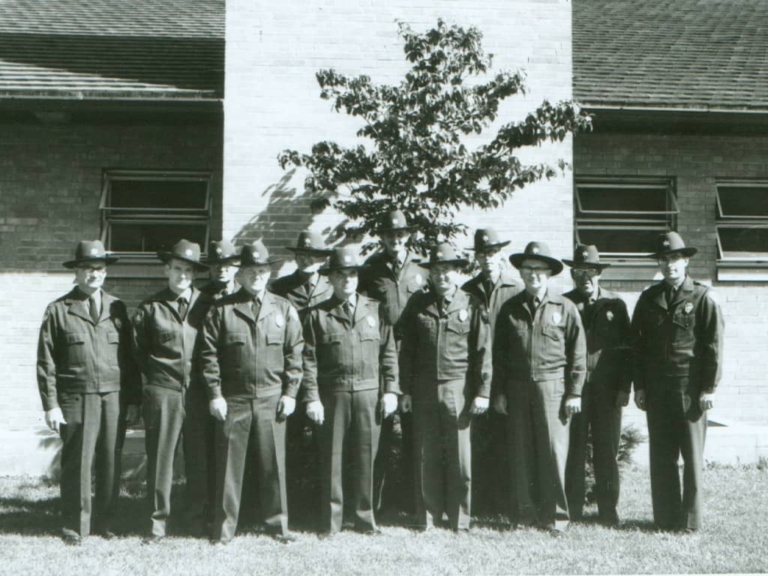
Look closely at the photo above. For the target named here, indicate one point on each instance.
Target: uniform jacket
(380, 282)
(609, 352)
(503, 290)
(164, 344)
(548, 346)
(449, 346)
(76, 355)
(297, 290)
(249, 357)
(344, 356)
(684, 340)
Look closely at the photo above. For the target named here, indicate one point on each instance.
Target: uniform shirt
(164, 342)
(343, 355)
(609, 352)
(77, 355)
(448, 341)
(251, 357)
(299, 292)
(546, 345)
(683, 339)
(390, 286)
(504, 288)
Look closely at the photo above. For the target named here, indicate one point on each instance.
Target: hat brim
(166, 257)
(686, 252)
(556, 265)
(269, 262)
(583, 265)
(213, 261)
(326, 271)
(381, 231)
(106, 259)
(487, 246)
(461, 262)
(310, 251)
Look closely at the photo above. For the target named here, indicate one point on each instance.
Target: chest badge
(688, 307)
(463, 315)
(371, 321)
(279, 320)
(557, 318)
(609, 316)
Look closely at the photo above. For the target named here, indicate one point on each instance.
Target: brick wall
(697, 162)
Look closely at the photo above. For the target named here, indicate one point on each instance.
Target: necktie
(182, 307)
(256, 306)
(348, 310)
(93, 309)
(669, 295)
(488, 286)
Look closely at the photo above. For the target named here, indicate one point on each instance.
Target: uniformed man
(84, 360)
(677, 329)
(540, 365)
(351, 381)
(392, 276)
(493, 286)
(222, 262)
(606, 388)
(250, 353)
(445, 365)
(165, 330)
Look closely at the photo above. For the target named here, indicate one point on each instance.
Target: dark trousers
(384, 480)
(540, 446)
(443, 453)
(600, 413)
(199, 456)
(492, 466)
(676, 427)
(89, 441)
(353, 416)
(251, 426)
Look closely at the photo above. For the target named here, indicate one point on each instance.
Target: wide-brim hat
(343, 258)
(672, 243)
(444, 253)
(537, 251)
(90, 251)
(220, 252)
(185, 251)
(310, 243)
(486, 239)
(586, 256)
(394, 221)
(256, 254)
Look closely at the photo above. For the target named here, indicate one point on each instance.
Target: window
(742, 221)
(624, 216)
(143, 212)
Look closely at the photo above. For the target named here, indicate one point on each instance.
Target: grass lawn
(734, 539)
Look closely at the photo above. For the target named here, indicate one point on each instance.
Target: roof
(671, 54)
(112, 49)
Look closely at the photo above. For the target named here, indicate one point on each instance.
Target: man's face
(180, 275)
(395, 243)
(444, 277)
(223, 272)
(585, 280)
(535, 275)
(308, 263)
(344, 283)
(490, 261)
(254, 278)
(90, 277)
(673, 267)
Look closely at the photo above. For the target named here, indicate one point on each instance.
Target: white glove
(218, 408)
(285, 406)
(54, 419)
(479, 406)
(316, 412)
(388, 404)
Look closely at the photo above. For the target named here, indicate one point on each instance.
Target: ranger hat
(311, 243)
(586, 256)
(486, 239)
(444, 253)
(256, 254)
(221, 252)
(343, 258)
(89, 251)
(537, 251)
(392, 222)
(671, 243)
(186, 251)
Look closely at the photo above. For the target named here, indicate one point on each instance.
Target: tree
(415, 157)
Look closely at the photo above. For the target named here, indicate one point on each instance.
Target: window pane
(623, 241)
(153, 237)
(744, 243)
(158, 194)
(623, 199)
(744, 200)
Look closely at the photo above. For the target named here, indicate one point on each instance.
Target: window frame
(726, 221)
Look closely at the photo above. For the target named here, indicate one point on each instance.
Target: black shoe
(326, 535)
(153, 539)
(555, 533)
(70, 537)
(107, 534)
(286, 538)
(370, 531)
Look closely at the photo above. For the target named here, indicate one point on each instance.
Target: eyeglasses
(93, 269)
(590, 272)
(531, 270)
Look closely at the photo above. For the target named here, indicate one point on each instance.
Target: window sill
(742, 271)
(635, 270)
(137, 267)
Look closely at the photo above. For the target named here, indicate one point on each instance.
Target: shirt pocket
(331, 352)
(75, 346)
(234, 349)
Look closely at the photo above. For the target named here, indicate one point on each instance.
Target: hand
(388, 404)
(132, 414)
(706, 402)
(285, 406)
(479, 406)
(640, 399)
(622, 398)
(218, 408)
(572, 405)
(54, 419)
(316, 412)
(500, 404)
(406, 403)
